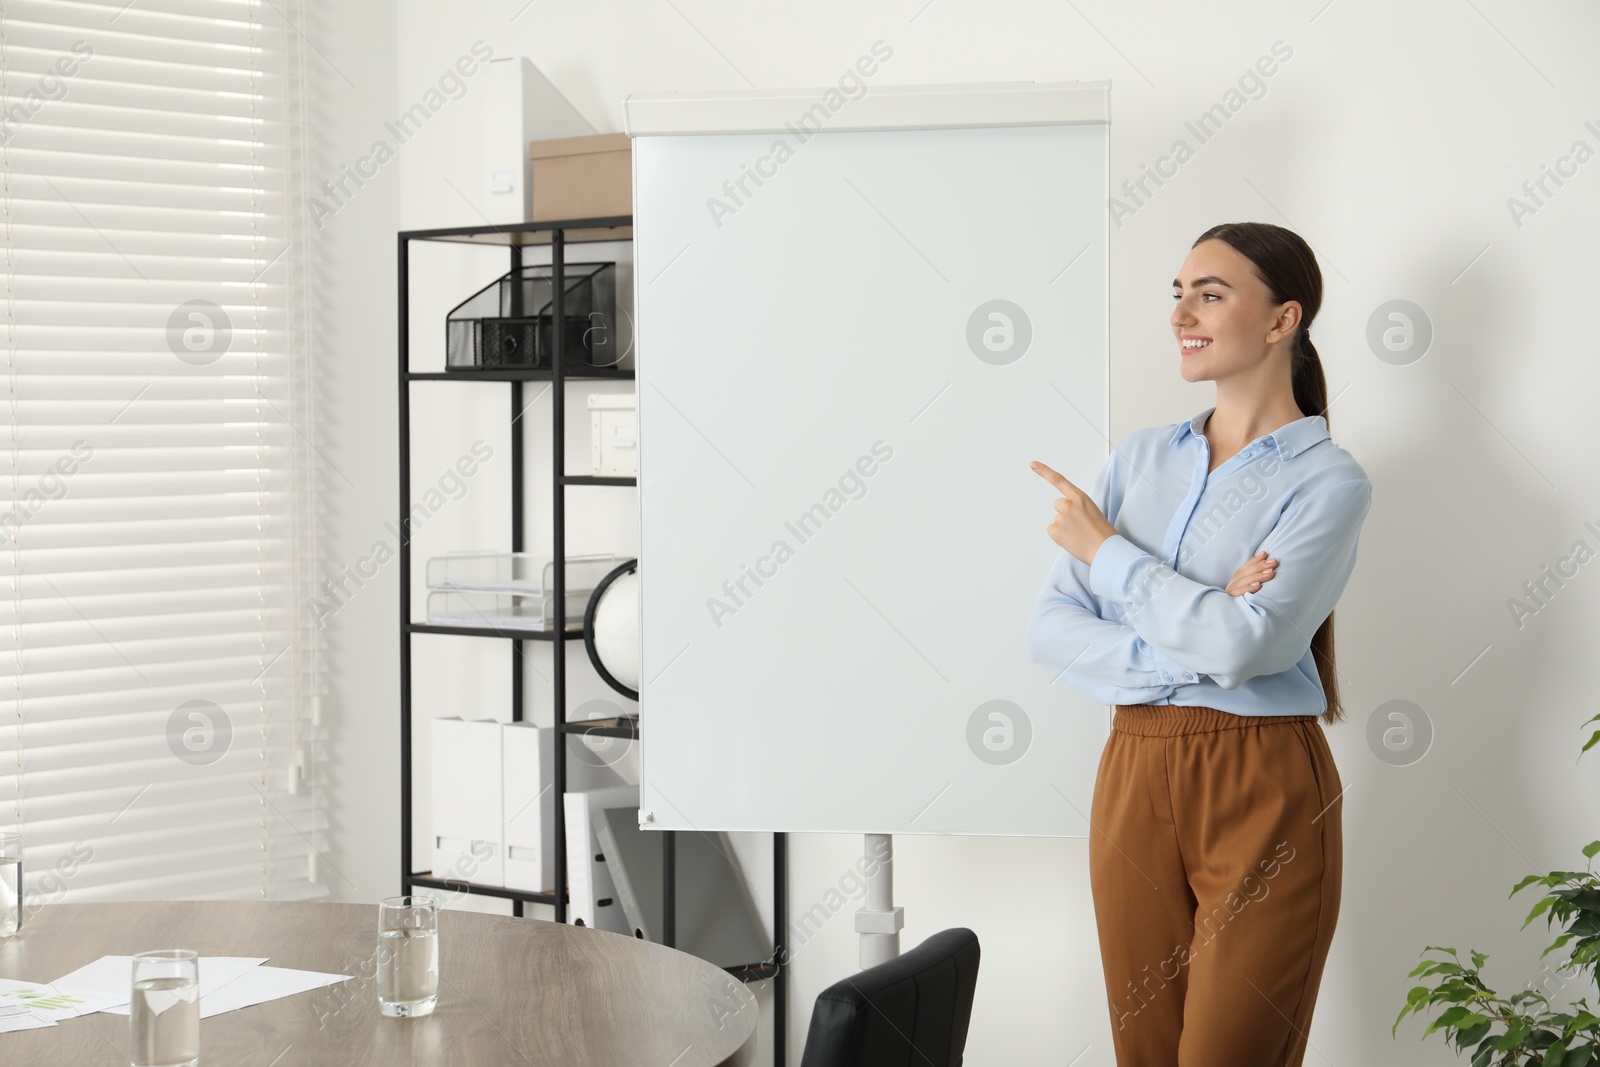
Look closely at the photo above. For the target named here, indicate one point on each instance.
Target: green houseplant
(1522, 1028)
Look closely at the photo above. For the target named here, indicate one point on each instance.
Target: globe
(616, 629)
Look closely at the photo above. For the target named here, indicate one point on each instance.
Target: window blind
(158, 467)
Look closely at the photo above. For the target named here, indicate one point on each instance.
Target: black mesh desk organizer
(509, 322)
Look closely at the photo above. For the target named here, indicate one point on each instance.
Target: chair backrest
(912, 1011)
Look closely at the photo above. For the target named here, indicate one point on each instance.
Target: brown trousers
(1215, 859)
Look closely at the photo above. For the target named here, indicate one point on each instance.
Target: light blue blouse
(1150, 622)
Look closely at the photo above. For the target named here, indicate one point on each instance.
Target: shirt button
(1166, 677)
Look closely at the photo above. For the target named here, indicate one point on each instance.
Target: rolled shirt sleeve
(1203, 629)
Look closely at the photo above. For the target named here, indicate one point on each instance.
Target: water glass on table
(10, 882)
(408, 956)
(164, 1015)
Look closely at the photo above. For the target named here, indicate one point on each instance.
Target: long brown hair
(1288, 267)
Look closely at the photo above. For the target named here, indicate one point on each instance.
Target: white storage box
(614, 434)
(530, 806)
(468, 829)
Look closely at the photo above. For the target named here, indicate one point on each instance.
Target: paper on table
(262, 984)
(226, 983)
(15, 1015)
(112, 977)
(51, 1002)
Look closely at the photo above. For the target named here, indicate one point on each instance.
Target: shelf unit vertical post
(402, 257)
(517, 648)
(558, 548)
(780, 947)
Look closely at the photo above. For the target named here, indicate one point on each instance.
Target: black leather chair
(912, 1011)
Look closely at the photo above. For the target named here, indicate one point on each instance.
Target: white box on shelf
(591, 894)
(519, 105)
(614, 434)
(468, 829)
(528, 778)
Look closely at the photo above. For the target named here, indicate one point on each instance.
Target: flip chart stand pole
(879, 922)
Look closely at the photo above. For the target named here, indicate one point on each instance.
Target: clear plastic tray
(515, 572)
(503, 611)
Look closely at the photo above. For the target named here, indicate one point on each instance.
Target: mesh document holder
(511, 322)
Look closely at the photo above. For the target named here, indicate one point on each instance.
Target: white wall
(1391, 139)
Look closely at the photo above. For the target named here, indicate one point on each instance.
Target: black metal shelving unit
(516, 237)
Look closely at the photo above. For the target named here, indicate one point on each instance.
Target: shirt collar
(1290, 439)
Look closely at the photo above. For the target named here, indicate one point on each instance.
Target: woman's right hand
(1256, 572)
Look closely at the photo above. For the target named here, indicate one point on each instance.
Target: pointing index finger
(1051, 476)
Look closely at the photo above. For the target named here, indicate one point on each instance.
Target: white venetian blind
(158, 665)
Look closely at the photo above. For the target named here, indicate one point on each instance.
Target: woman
(1215, 847)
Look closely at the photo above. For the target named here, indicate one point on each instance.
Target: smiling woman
(1198, 631)
(1240, 320)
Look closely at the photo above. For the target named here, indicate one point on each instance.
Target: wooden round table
(511, 991)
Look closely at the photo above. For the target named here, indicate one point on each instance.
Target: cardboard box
(582, 177)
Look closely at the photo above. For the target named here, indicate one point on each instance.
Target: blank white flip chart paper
(859, 317)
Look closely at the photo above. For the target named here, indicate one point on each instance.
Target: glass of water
(164, 1020)
(408, 955)
(10, 882)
